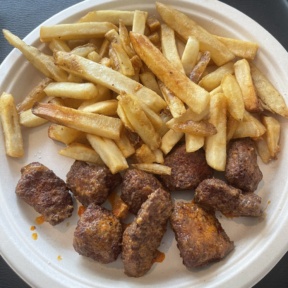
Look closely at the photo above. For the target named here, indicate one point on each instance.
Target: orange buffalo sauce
(40, 220)
(119, 208)
(159, 258)
(34, 236)
(81, 210)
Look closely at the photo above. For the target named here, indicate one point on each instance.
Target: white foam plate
(260, 243)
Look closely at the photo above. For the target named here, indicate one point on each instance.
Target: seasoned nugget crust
(45, 192)
(142, 238)
(188, 169)
(200, 237)
(91, 183)
(98, 235)
(242, 170)
(215, 194)
(137, 185)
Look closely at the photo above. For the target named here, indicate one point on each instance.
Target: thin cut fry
(153, 168)
(190, 93)
(85, 30)
(193, 142)
(139, 21)
(200, 67)
(11, 128)
(190, 54)
(107, 107)
(28, 119)
(71, 90)
(215, 145)
(109, 152)
(42, 62)
(84, 121)
(81, 152)
(169, 140)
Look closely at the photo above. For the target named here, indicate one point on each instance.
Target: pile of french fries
(122, 88)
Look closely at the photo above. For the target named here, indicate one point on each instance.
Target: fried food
(45, 192)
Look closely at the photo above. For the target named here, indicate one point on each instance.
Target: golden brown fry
(65, 134)
(190, 54)
(190, 93)
(125, 145)
(112, 16)
(176, 106)
(85, 30)
(241, 49)
(125, 39)
(139, 21)
(154, 168)
(144, 154)
(109, 152)
(200, 128)
(268, 93)
(169, 140)
(59, 45)
(84, 50)
(272, 135)
(153, 24)
(193, 142)
(185, 27)
(42, 62)
(84, 121)
(169, 48)
(11, 128)
(213, 79)
(233, 94)
(232, 125)
(107, 107)
(200, 67)
(82, 91)
(249, 127)
(81, 152)
(215, 145)
(263, 150)
(99, 74)
(28, 119)
(139, 120)
(149, 80)
(244, 78)
(35, 95)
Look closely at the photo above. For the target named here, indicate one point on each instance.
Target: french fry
(215, 145)
(94, 56)
(268, 93)
(169, 48)
(139, 121)
(109, 152)
(59, 45)
(144, 154)
(149, 80)
(65, 134)
(249, 127)
(176, 106)
(107, 107)
(11, 128)
(112, 16)
(272, 135)
(139, 21)
(81, 152)
(240, 48)
(190, 54)
(193, 142)
(112, 36)
(42, 62)
(200, 67)
(153, 168)
(190, 93)
(126, 67)
(200, 128)
(213, 79)
(186, 27)
(233, 94)
(35, 95)
(263, 150)
(84, 50)
(99, 74)
(244, 78)
(85, 30)
(232, 125)
(125, 145)
(122, 115)
(169, 140)
(125, 39)
(28, 119)
(97, 124)
(82, 91)
(153, 24)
